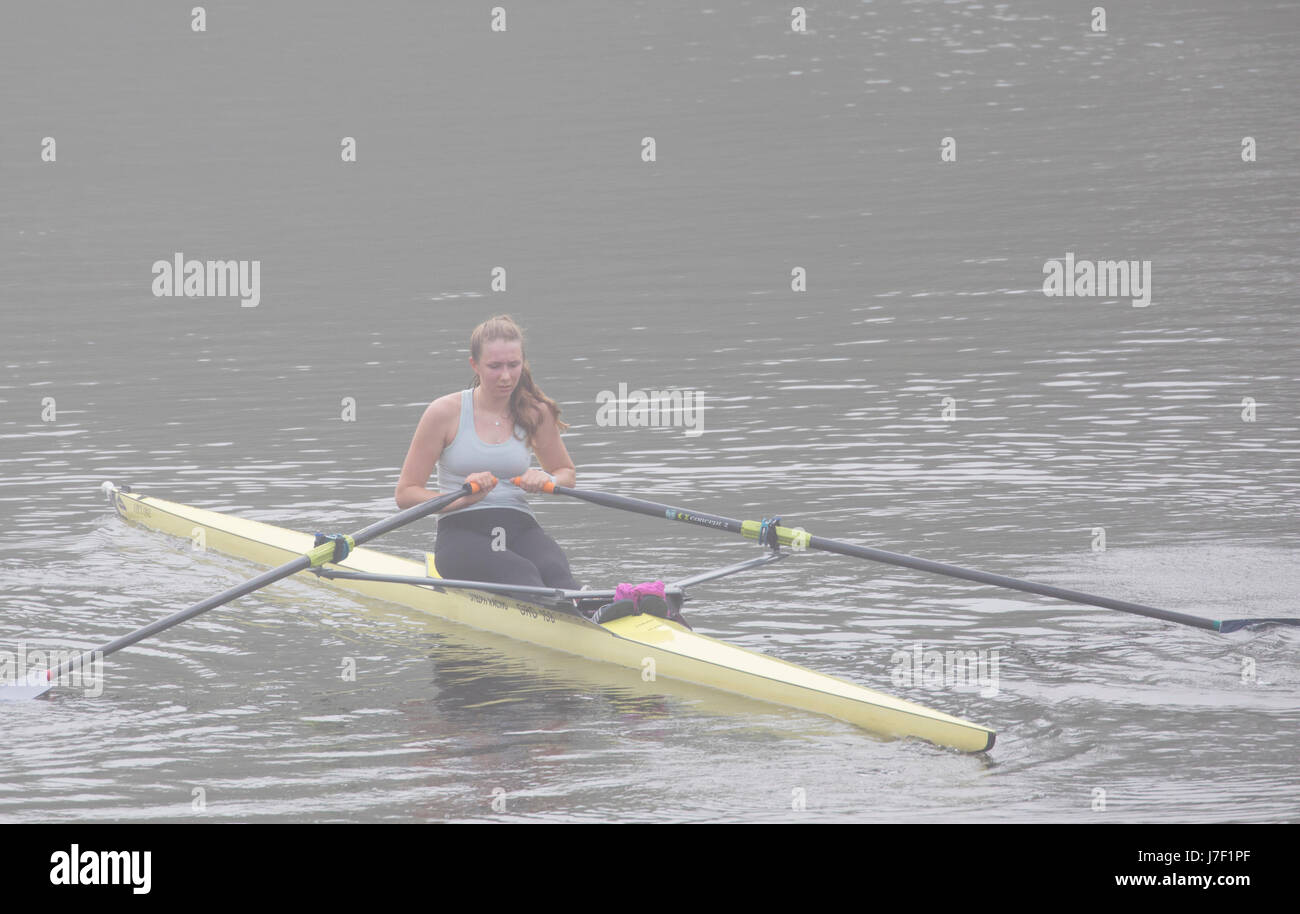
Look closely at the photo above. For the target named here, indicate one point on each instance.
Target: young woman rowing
(483, 435)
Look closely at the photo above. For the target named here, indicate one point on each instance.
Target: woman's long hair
(527, 399)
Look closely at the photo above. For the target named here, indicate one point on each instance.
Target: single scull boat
(630, 641)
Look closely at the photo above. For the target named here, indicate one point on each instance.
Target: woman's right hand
(485, 482)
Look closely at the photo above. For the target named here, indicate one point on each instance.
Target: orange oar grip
(475, 488)
(547, 487)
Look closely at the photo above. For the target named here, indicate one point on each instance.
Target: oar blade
(23, 692)
(1234, 625)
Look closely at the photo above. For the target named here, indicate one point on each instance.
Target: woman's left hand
(534, 480)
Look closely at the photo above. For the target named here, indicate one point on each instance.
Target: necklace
(503, 415)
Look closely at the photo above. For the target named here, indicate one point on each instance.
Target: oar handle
(548, 487)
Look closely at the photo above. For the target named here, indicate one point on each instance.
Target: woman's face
(499, 368)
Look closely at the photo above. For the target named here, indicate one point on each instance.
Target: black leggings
(464, 550)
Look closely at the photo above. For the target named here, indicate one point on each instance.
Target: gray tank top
(468, 453)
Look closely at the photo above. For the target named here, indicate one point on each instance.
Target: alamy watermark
(77, 867)
(1098, 279)
(652, 409)
(24, 667)
(952, 669)
(183, 278)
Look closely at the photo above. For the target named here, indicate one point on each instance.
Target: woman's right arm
(422, 456)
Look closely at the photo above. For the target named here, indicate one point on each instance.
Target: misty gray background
(775, 150)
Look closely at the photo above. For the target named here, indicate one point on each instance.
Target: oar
(799, 539)
(333, 549)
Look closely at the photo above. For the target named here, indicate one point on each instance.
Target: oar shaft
(177, 618)
(652, 508)
(788, 535)
(301, 563)
(998, 580)
(413, 513)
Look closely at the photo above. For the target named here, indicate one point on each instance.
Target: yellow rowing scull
(633, 641)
